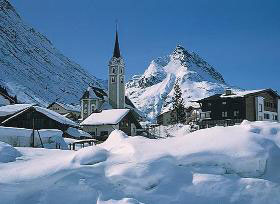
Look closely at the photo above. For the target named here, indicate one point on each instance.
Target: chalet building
(233, 107)
(101, 124)
(69, 111)
(97, 103)
(31, 116)
(165, 118)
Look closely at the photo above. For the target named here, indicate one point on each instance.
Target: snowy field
(221, 165)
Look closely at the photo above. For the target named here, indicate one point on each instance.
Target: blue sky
(240, 38)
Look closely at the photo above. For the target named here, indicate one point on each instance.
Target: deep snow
(238, 164)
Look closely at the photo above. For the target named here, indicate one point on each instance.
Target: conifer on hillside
(178, 114)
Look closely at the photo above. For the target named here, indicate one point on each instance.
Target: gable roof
(18, 109)
(12, 109)
(106, 117)
(94, 92)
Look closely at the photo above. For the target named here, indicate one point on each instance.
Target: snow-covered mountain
(152, 91)
(32, 68)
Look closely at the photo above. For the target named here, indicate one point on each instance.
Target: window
(113, 70)
(122, 80)
(209, 104)
(121, 70)
(224, 114)
(260, 107)
(92, 108)
(275, 117)
(207, 115)
(113, 79)
(266, 116)
(235, 113)
(224, 102)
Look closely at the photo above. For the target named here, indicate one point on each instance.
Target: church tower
(116, 81)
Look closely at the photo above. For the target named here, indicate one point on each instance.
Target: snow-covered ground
(238, 164)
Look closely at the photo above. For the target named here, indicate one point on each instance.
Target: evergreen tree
(178, 114)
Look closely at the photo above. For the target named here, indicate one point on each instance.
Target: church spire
(117, 52)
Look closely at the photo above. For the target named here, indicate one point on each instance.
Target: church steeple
(116, 82)
(117, 52)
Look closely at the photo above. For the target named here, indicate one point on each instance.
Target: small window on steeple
(122, 80)
(113, 79)
(113, 70)
(121, 70)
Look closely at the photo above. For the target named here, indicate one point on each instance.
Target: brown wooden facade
(231, 110)
(30, 118)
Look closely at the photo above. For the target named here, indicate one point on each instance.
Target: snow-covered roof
(241, 93)
(74, 132)
(106, 117)
(20, 108)
(55, 116)
(12, 109)
(91, 93)
(69, 107)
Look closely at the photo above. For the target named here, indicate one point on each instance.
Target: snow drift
(21, 137)
(238, 164)
(8, 153)
(90, 155)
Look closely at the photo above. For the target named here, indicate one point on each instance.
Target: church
(102, 111)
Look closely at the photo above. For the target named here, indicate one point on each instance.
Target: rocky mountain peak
(152, 91)
(180, 53)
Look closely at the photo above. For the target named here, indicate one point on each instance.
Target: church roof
(94, 92)
(117, 52)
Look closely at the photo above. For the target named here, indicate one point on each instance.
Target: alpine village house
(233, 107)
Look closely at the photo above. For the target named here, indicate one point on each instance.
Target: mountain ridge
(152, 91)
(33, 69)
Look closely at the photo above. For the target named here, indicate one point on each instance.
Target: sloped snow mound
(115, 138)
(8, 153)
(90, 155)
(238, 164)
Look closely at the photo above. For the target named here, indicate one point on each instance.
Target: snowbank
(90, 155)
(21, 137)
(8, 153)
(238, 164)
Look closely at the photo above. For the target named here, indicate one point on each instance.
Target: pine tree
(178, 114)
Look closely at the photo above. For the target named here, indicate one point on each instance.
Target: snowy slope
(32, 68)
(151, 92)
(227, 165)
